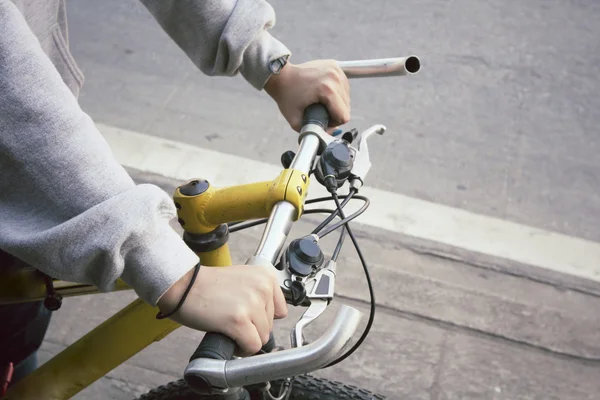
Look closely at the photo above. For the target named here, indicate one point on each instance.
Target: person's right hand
(299, 85)
(238, 301)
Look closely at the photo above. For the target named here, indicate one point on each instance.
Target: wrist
(170, 297)
(276, 80)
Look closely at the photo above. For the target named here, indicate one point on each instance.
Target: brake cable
(345, 220)
(369, 284)
(285, 390)
(238, 226)
(331, 217)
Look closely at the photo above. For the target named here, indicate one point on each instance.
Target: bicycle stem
(282, 216)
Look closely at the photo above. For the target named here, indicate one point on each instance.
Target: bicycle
(208, 215)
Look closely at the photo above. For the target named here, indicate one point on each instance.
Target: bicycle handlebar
(210, 376)
(316, 114)
(282, 215)
(211, 368)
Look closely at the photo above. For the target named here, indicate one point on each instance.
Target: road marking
(390, 211)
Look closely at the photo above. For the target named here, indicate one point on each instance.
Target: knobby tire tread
(305, 387)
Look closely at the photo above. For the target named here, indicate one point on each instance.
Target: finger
(262, 325)
(348, 98)
(338, 111)
(280, 306)
(270, 310)
(345, 87)
(248, 339)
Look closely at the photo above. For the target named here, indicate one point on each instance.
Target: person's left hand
(298, 86)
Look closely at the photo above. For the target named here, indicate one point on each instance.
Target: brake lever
(313, 311)
(320, 294)
(362, 163)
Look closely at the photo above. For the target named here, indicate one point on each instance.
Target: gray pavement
(444, 330)
(501, 121)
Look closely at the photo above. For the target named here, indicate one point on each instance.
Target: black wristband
(160, 315)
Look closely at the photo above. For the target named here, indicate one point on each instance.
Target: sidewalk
(444, 329)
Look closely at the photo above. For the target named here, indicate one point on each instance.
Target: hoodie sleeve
(223, 37)
(66, 205)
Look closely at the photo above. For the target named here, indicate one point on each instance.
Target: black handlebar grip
(216, 346)
(316, 114)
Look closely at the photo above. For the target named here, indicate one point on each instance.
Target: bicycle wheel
(305, 387)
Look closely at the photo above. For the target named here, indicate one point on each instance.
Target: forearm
(223, 37)
(67, 207)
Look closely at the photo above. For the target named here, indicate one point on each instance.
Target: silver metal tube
(283, 213)
(276, 231)
(306, 153)
(282, 364)
(381, 67)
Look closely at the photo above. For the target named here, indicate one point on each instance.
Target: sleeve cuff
(153, 269)
(256, 66)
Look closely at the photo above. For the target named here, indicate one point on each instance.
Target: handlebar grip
(216, 346)
(316, 114)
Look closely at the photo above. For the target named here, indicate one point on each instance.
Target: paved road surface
(444, 330)
(500, 122)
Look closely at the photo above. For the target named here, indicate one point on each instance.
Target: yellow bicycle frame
(135, 327)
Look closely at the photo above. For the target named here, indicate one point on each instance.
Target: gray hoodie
(66, 206)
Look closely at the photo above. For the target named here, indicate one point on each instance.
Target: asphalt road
(501, 121)
(444, 330)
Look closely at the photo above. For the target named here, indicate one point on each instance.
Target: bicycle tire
(305, 387)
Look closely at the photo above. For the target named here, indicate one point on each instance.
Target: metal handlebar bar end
(383, 67)
(222, 374)
(211, 380)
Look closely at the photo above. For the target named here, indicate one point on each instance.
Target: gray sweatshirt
(66, 206)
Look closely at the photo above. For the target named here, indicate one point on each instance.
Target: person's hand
(239, 301)
(298, 86)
